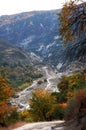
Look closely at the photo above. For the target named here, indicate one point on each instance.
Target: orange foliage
(64, 105)
(5, 93)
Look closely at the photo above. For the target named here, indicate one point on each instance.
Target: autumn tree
(73, 21)
(43, 106)
(5, 94)
(70, 84)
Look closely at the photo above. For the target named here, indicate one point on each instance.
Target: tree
(43, 106)
(5, 93)
(73, 21)
(69, 84)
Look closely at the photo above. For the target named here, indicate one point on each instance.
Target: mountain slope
(31, 30)
(17, 65)
(37, 32)
(13, 54)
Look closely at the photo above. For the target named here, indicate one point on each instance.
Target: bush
(40, 82)
(45, 80)
(60, 97)
(57, 112)
(13, 117)
(25, 116)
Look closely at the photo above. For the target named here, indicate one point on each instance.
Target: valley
(52, 79)
(33, 57)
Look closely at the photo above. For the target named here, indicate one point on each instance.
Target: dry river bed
(22, 101)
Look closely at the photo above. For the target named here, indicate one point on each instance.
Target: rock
(42, 126)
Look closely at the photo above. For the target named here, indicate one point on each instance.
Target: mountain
(37, 32)
(31, 30)
(17, 65)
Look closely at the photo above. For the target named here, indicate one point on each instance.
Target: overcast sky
(17, 6)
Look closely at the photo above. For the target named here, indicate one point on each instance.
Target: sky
(8, 7)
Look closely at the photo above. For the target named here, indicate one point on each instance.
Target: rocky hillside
(37, 32)
(10, 54)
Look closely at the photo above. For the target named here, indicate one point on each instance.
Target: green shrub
(13, 117)
(58, 112)
(45, 80)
